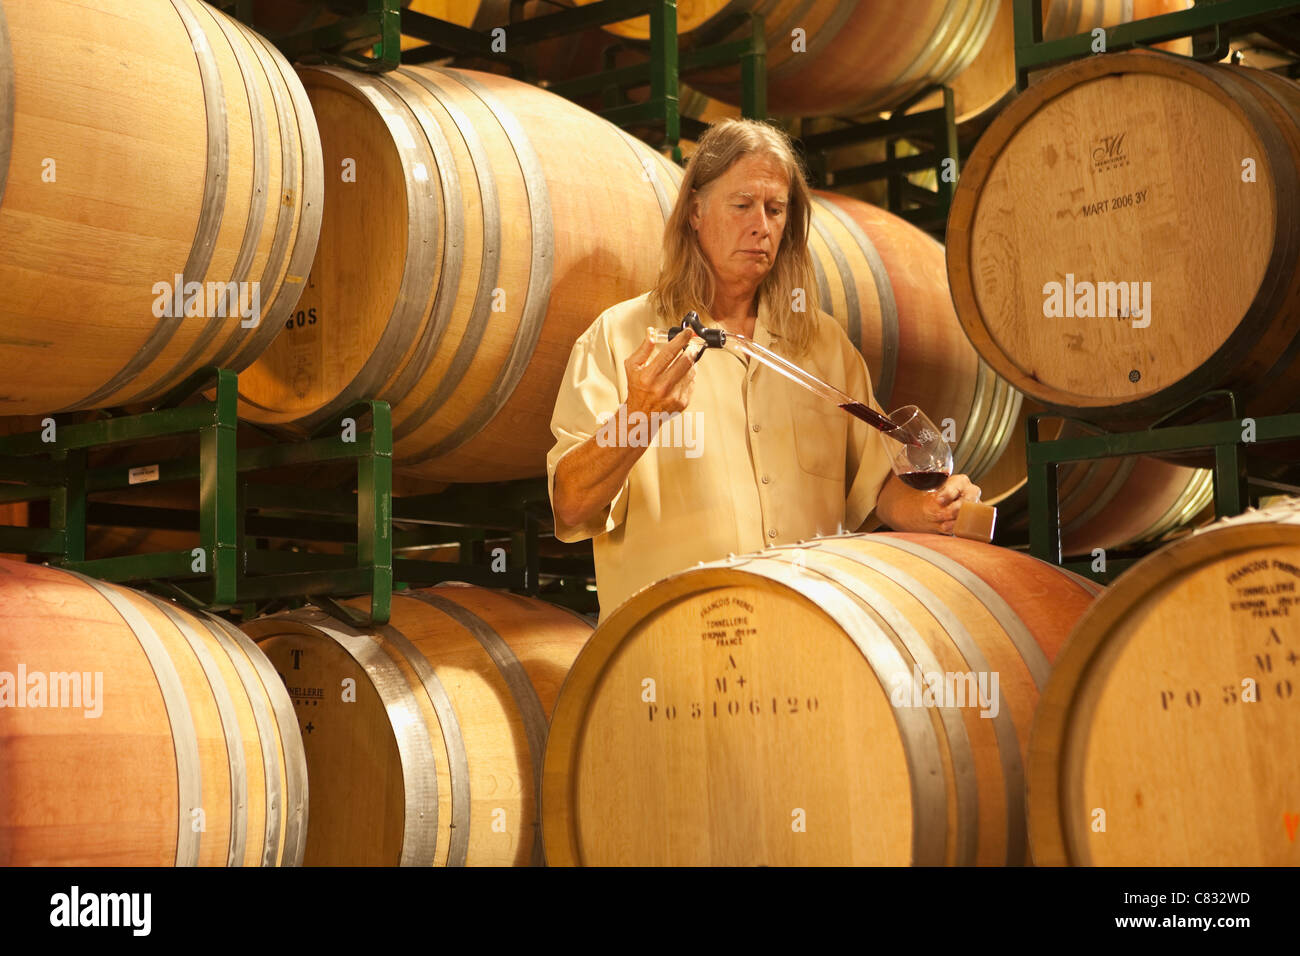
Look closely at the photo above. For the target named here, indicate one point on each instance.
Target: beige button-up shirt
(754, 461)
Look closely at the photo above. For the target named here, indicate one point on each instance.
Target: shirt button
(755, 427)
(771, 532)
(766, 479)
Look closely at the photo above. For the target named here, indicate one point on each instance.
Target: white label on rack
(138, 476)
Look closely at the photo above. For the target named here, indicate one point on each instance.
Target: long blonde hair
(686, 280)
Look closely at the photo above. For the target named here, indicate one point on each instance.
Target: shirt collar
(763, 334)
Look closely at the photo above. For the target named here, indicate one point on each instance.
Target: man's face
(740, 218)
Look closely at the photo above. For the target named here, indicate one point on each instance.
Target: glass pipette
(744, 346)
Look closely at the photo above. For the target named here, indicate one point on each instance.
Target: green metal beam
(218, 511)
(223, 574)
(29, 472)
(264, 563)
(31, 540)
(1231, 482)
(176, 565)
(134, 428)
(375, 512)
(1230, 17)
(874, 171)
(903, 126)
(1202, 437)
(444, 39)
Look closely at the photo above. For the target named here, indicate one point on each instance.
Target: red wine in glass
(924, 462)
(923, 480)
(876, 420)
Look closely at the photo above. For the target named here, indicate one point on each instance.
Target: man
(752, 460)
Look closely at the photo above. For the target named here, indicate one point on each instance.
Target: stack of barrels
(468, 339)
(463, 189)
(136, 733)
(130, 262)
(465, 245)
(946, 702)
(438, 238)
(693, 730)
(424, 737)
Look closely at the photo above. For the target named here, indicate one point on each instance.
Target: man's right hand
(588, 477)
(661, 380)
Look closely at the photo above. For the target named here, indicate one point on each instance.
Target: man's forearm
(891, 502)
(588, 478)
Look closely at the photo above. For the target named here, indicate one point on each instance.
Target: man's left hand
(906, 509)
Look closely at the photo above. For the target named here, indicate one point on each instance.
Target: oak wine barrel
(116, 251)
(763, 710)
(171, 742)
(851, 56)
(490, 243)
(1167, 733)
(1134, 171)
(424, 737)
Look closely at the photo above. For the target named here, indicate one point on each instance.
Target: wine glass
(923, 460)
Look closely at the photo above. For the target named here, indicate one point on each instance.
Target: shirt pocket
(820, 436)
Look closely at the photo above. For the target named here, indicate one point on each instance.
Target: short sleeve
(868, 465)
(589, 393)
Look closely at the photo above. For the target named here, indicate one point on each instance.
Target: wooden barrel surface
(884, 280)
(764, 710)
(219, 183)
(1117, 173)
(171, 742)
(850, 57)
(1166, 735)
(988, 83)
(424, 737)
(492, 243)
(557, 58)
